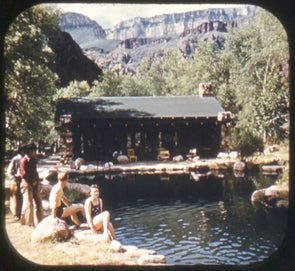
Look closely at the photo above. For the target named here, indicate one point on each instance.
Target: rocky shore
(47, 230)
(48, 168)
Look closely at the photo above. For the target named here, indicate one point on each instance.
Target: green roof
(139, 107)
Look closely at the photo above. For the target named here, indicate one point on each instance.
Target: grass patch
(72, 252)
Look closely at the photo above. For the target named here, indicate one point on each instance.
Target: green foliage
(257, 91)
(284, 178)
(29, 84)
(246, 142)
(74, 90)
(246, 74)
(109, 86)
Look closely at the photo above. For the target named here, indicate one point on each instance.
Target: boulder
(276, 192)
(122, 159)
(271, 149)
(50, 229)
(258, 196)
(282, 203)
(223, 155)
(272, 169)
(234, 155)
(274, 196)
(196, 158)
(108, 165)
(78, 162)
(49, 175)
(151, 259)
(239, 166)
(178, 158)
(89, 236)
(116, 246)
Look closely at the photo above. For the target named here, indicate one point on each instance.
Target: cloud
(108, 15)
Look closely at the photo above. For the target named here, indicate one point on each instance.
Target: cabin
(142, 128)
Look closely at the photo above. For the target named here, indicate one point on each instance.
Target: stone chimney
(205, 90)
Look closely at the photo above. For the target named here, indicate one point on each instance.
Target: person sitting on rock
(59, 204)
(97, 218)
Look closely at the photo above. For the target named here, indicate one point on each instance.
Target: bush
(246, 142)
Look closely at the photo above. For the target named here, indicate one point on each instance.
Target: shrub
(246, 142)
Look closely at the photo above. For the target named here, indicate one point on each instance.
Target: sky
(108, 15)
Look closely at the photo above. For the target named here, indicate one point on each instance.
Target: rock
(258, 195)
(223, 155)
(122, 159)
(89, 236)
(108, 165)
(47, 230)
(178, 158)
(49, 175)
(205, 89)
(274, 196)
(84, 167)
(276, 192)
(78, 162)
(70, 59)
(271, 149)
(234, 155)
(272, 169)
(116, 246)
(239, 174)
(282, 203)
(239, 166)
(196, 158)
(151, 259)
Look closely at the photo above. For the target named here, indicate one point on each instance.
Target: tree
(109, 86)
(256, 87)
(75, 89)
(29, 83)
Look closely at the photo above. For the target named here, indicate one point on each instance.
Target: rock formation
(49, 230)
(273, 196)
(70, 62)
(122, 48)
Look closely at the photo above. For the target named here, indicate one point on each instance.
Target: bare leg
(111, 231)
(102, 221)
(71, 212)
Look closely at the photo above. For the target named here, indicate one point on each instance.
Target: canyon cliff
(122, 48)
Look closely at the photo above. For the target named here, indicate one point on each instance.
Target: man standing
(13, 172)
(60, 205)
(30, 188)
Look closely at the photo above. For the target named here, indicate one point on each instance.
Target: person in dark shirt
(32, 210)
(97, 218)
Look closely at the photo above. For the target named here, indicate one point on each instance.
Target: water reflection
(210, 221)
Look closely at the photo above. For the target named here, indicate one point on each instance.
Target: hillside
(123, 47)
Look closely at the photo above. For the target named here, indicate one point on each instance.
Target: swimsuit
(59, 210)
(95, 209)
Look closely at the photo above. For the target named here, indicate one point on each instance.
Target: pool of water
(210, 221)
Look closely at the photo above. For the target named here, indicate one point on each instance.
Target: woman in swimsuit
(97, 218)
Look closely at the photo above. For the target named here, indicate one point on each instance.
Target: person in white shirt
(13, 172)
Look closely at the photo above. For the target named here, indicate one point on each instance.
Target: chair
(192, 153)
(131, 156)
(163, 155)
